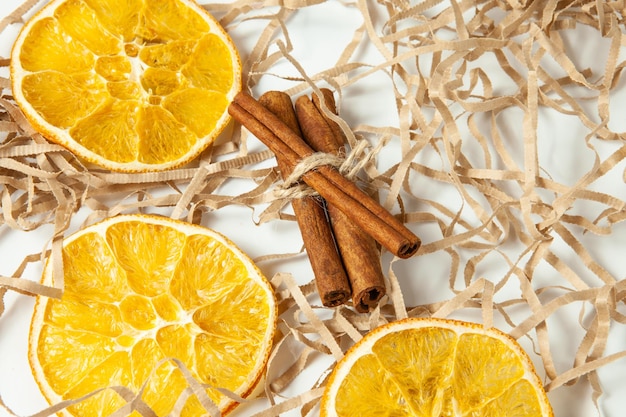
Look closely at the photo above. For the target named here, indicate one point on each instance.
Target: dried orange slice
(435, 367)
(139, 290)
(130, 85)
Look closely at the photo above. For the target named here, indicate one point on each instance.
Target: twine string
(349, 164)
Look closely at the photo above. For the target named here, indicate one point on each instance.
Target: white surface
(318, 35)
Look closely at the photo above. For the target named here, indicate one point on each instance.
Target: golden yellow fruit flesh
(140, 291)
(139, 85)
(433, 367)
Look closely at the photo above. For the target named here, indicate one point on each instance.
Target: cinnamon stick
(327, 181)
(329, 101)
(360, 254)
(331, 279)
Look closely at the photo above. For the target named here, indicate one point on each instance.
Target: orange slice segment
(435, 367)
(131, 86)
(140, 289)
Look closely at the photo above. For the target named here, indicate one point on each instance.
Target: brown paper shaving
(454, 132)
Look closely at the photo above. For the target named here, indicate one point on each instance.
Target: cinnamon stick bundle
(360, 254)
(367, 213)
(331, 279)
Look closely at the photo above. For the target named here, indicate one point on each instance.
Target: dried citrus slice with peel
(435, 367)
(140, 290)
(133, 85)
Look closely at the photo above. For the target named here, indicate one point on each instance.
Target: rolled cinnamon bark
(360, 254)
(327, 181)
(330, 276)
